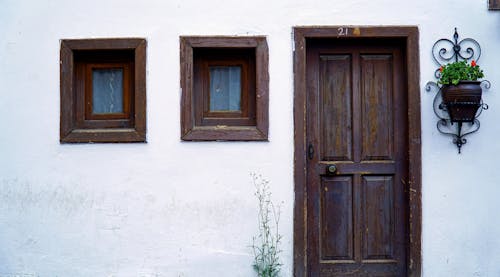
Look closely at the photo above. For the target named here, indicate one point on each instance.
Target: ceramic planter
(462, 100)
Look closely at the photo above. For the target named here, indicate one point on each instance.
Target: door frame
(413, 192)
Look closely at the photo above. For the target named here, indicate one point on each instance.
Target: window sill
(225, 133)
(103, 136)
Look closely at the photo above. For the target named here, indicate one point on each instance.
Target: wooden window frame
(494, 4)
(77, 122)
(243, 112)
(127, 85)
(202, 63)
(196, 55)
(414, 182)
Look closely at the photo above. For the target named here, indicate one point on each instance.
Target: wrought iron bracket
(445, 51)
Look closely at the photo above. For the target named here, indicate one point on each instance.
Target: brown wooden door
(356, 122)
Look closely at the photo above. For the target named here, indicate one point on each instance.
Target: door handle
(331, 169)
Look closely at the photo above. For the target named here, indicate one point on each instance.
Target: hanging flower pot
(461, 92)
(458, 102)
(462, 100)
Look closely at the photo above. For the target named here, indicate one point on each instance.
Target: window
(224, 84)
(103, 90)
(494, 4)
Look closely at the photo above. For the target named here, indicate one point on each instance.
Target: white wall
(172, 208)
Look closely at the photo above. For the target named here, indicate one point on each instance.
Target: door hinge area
(310, 151)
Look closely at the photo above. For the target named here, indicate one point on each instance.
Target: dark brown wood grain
(414, 153)
(379, 217)
(384, 169)
(66, 75)
(300, 155)
(376, 88)
(78, 123)
(336, 219)
(373, 70)
(339, 102)
(197, 122)
(139, 104)
(104, 44)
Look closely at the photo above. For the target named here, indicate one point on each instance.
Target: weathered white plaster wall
(170, 208)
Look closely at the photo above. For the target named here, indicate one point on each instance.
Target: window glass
(225, 88)
(107, 91)
(494, 4)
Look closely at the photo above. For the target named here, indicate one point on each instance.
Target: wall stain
(22, 196)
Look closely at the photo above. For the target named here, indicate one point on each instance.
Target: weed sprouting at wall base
(266, 245)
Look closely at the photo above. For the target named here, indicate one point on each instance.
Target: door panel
(336, 219)
(335, 96)
(356, 122)
(376, 99)
(378, 211)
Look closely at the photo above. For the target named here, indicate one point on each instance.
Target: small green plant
(453, 73)
(266, 245)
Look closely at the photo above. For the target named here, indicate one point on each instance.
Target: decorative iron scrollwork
(445, 51)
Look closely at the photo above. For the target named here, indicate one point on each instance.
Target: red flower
(441, 69)
(473, 63)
